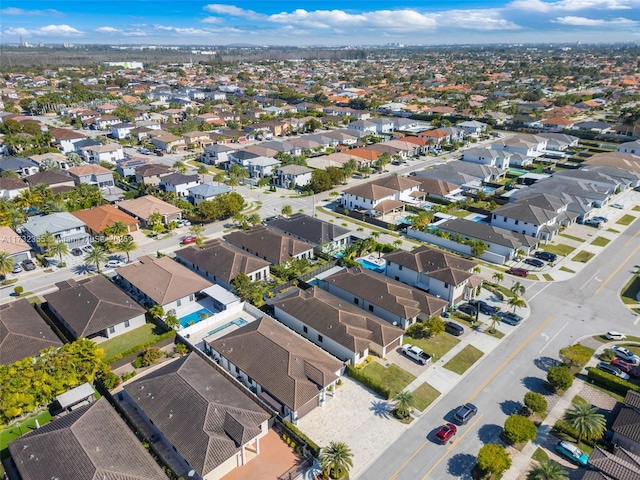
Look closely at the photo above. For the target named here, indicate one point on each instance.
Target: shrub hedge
(368, 382)
(313, 446)
(611, 382)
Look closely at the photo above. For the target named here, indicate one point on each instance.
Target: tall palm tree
(404, 402)
(336, 459)
(497, 277)
(59, 248)
(516, 302)
(202, 170)
(586, 420)
(495, 321)
(548, 470)
(126, 245)
(117, 229)
(96, 256)
(219, 177)
(45, 240)
(180, 166)
(6, 263)
(157, 312)
(518, 289)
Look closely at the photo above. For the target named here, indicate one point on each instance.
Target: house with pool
(163, 281)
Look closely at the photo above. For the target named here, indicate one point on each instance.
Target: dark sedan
(534, 262)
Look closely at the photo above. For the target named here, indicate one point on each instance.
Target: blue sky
(327, 22)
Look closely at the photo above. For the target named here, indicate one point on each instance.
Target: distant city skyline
(301, 22)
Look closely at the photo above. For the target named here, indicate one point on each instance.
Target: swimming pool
(195, 317)
(372, 266)
(403, 220)
(517, 171)
(477, 218)
(238, 322)
(488, 190)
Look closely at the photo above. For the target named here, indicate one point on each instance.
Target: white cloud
(485, 20)
(108, 30)
(233, 11)
(211, 20)
(541, 6)
(22, 11)
(594, 22)
(49, 30)
(184, 31)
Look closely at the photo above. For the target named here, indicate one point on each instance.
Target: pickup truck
(416, 353)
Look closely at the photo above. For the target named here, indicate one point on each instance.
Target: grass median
(424, 395)
(626, 220)
(393, 377)
(464, 359)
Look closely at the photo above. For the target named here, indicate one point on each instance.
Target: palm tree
(336, 459)
(126, 245)
(202, 170)
(548, 470)
(253, 219)
(59, 248)
(495, 321)
(219, 177)
(96, 256)
(404, 402)
(586, 420)
(518, 289)
(516, 302)
(6, 263)
(286, 210)
(497, 277)
(180, 166)
(157, 312)
(45, 240)
(117, 229)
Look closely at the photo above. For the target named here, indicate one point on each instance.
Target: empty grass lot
(126, 341)
(559, 249)
(571, 237)
(600, 242)
(437, 345)
(393, 377)
(464, 359)
(424, 395)
(583, 256)
(625, 220)
(630, 291)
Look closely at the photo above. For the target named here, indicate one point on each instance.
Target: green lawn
(612, 230)
(633, 348)
(126, 341)
(539, 455)
(600, 242)
(571, 237)
(493, 333)
(393, 377)
(533, 276)
(547, 277)
(464, 359)
(460, 213)
(565, 269)
(630, 291)
(17, 429)
(636, 208)
(583, 256)
(601, 338)
(559, 249)
(424, 395)
(626, 220)
(436, 346)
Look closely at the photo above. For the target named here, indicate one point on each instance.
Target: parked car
(445, 433)
(631, 370)
(546, 256)
(615, 336)
(520, 272)
(144, 151)
(17, 268)
(28, 265)
(510, 318)
(183, 222)
(416, 353)
(600, 218)
(76, 252)
(594, 222)
(188, 239)
(453, 328)
(464, 413)
(534, 262)
(619, 206)
(484, 307)
(467, 309)
(87, 248)
(114, 264)
(613, 370)
(572, 452)
(626, 355)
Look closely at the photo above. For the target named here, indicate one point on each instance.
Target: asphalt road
(562, 312)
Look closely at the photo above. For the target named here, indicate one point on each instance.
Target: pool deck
(373, 258)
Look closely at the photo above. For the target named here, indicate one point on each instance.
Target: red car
(632, 370)
(445, 433)
(188, 239)
(520, 272)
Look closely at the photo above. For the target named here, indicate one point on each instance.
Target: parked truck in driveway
(416, 353)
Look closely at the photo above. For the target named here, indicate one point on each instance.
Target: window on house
(319, 338)
(305, 329)
(356, 301)
(504, 219)
(179, 302)
(446, 285)
(495, 216)
(517, 221)
(399, 267)
(191, 297)
(371, 308)
(112, 329)
(397, 278)
(126, 324)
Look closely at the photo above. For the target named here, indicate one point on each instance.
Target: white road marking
(541, 290)
(591, 278)
(553, 338)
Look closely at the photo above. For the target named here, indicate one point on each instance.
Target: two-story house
(121, 130)
(110, 153)
(92, 175)
(206, 192)
(324, 236)
(270, 245)
(64, 227)
(178, 183)
(292, 176)
(486, 156)
(216, 154)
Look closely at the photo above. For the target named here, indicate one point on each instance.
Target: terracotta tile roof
(365, 153)
(289, 367)
(11, 242)
(99, 218)
(144, 206)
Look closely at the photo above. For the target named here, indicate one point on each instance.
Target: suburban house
(469, 176)
(391, 300)
(442, 275)
(215, 154)
(127, 168)
(110, 153)
(98, 218)
(282, 146)
(439, 189)
(196, 139)
(324, 236)
(290, 374)
(559, 142)
(221, 262)
(57, 181)
(381, 195)
(64, 227)
(473, 128)
(151, 174)
(630, 147)
(625, 427)
(342, 329)
(621, 464)
(23, 332)
(292, 176)
(261, 167)
(270, 245)
(178, 183)
(167, 141)
(539, 216)
(93, 175)
(206, 191)
(51, 158)
(143, 207)
(201, 417)
(121, 130)
(162, 281)
(65, 138)
(22, 166)
(487, 156)
(13, 244)
(71, 447)
(94, 307)
(528, 145)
